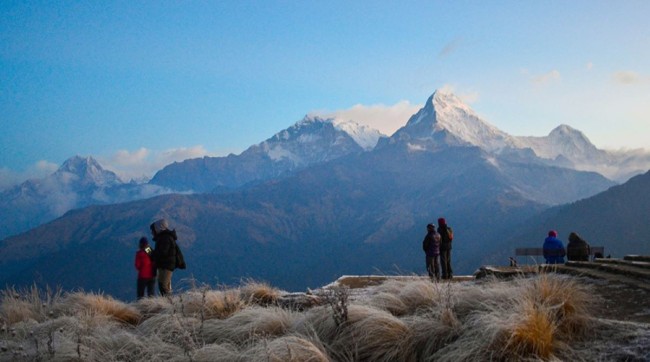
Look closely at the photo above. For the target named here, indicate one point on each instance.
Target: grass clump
(411, 319)
(263, 294)
(99, 304)
(27, 304)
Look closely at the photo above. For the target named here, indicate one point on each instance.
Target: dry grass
(533, 334)
(80, 302)
(374, 335)
(287, 349)
(210, 304)
(259, 293)
(569, 302)
(27, 304)
(537, 318)
(249, 324)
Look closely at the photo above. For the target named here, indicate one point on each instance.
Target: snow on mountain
(87, 172)
(309, 141)
(364, 136)
(446, 121)
(312, 139)
(79, 182)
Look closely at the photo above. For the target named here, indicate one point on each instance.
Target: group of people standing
(554, 252)
(437, 249)
(158, 263)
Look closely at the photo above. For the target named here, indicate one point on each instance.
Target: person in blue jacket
(554, 251)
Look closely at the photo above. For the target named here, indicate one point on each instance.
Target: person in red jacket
(146, 269)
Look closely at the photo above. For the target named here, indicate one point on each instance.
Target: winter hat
(144, 242)
(552, 233)
(441, 221)
(159, 226)
(430, 227)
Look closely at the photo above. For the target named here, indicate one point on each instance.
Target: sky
(140, 84)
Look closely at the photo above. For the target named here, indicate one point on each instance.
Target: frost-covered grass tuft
(538, 318)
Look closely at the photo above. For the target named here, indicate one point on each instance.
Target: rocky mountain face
(351, 214)
(312, 140)
(79, 182)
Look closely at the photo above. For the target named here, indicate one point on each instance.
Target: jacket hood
(159, 226)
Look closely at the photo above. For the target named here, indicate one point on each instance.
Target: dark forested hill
(618, 219)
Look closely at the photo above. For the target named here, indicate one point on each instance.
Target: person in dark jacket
(553, 249)
(577, 248)
(146, 269)
(431, 247)
(164, 255)
(445, 248)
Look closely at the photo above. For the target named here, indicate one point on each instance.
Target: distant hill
(357, 213)
(298, 232)
(616, 219)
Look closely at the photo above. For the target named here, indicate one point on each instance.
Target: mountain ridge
(444, 121)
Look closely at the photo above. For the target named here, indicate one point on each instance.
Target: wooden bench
(540, 252)
(535, 252)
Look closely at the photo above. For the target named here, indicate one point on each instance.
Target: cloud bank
(385, 119)
(143, 163)
(38, 170)
(139, 165)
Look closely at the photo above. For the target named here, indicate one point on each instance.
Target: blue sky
(140, 84)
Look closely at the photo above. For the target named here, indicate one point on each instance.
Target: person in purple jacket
(553, 249)
(431, 247)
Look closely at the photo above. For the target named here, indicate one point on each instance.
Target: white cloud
(38, 170)
(140, 164)
(144, 163)
(385, 119)
(546, 78)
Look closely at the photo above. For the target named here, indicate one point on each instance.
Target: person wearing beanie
(146, 269)
(553, 249)
(431, 247)
(164, 254)
(446, 236)
(578, 248)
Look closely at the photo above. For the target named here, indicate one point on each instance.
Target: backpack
(450, 233)
(180, 260)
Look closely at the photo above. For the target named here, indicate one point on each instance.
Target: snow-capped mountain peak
(563, 140)
(88, 171)
(565, 133)
(447, 119)
(364, 136)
